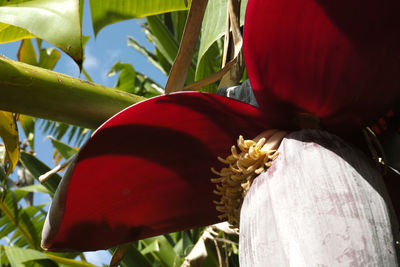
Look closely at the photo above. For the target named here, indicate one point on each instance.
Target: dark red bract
(338, 60)
(146, 171)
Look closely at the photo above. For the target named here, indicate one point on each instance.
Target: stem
(50, 95)
(179, 70)
(45, 177)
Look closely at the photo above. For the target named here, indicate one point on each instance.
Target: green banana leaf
(26, 233)
(65, 150)
(105, 12)
(19, 256)
(37, 168)
(9, 33)
(214, 23)
(57, 22)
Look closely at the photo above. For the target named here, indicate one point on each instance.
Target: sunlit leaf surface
(28, 126)
(57, 22)
(26, 52)
(19, 256)
(9, 33)
(9, 134)
(105, 12)
(214, 23)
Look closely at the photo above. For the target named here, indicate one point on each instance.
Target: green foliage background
(37, 20)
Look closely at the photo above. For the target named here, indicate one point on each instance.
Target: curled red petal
(338, 60)
(146, 171)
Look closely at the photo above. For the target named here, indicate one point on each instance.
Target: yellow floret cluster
(249, 159)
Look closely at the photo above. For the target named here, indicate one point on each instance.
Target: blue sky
(109, 46)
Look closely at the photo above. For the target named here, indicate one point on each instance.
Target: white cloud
(99, 257)
(91, 62)
(113, 54)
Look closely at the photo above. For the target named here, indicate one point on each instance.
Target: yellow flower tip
(260, 170)
(222, 160)
(217, 180)
(221, 208)
(260, 144)
(217, 193)
(215, 172)
(248, 143)
(231, 158)
(234, 152)
(248, 159)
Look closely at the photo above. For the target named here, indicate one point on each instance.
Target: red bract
(146, 171)
(338, 60)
